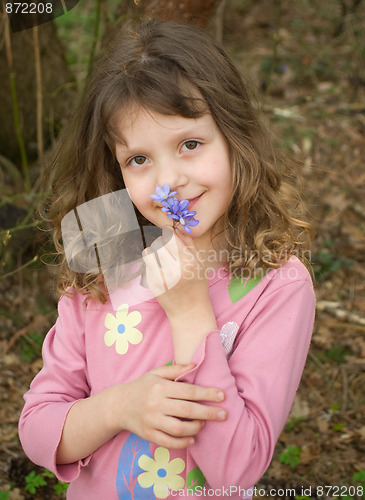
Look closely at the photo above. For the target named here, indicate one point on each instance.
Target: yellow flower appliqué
(161, 473)
(122, 329)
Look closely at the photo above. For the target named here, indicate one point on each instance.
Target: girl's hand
(165, 412)
(174, 274)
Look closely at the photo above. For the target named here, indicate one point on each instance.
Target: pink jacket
(256, 356)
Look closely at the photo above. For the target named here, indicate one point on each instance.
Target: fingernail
(222, 415)
(220, 396)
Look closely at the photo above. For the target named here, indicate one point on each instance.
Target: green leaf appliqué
(238, 288)
(195, 478)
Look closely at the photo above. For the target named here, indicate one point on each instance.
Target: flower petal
(123, 307)
(176, 466)
(147, 463)
(121, 344)
(110, 321)
(160, 489)
(162, 456)
(134, 336)
(110, 337)
(176, 483)
(133, 318)
(184, 204)
(146, 479)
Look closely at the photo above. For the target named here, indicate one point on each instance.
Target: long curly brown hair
(161, 66)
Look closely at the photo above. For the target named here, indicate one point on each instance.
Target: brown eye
(137, 161)
(190, 145)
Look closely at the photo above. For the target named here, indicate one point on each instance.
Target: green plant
(34, 481)
(293, 422)
(327, 262)
(290, 456)
(60, 487)
(31, 346)
(4, 495)
(337, 354)
(359, 477)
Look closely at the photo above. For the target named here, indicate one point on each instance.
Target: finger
(193, 411)
(189, 245)
(170, 242)
(154, 276)
(170, 442)
(180, 428)
(166, 240)
(192, 392)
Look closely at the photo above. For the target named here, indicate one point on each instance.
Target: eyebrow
(195, 131)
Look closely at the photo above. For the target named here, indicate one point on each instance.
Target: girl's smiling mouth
(195, 200)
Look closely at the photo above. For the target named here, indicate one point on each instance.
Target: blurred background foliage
(307, 61)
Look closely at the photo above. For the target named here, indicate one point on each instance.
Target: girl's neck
(212, 256)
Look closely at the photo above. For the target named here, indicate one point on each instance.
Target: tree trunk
(57, 93)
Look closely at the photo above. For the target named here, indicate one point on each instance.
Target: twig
(14, 98)
(30, 262)
(334, 309)
(345, 388)
(38, 73)
(6, 232)
(36, 323)
(95, 36)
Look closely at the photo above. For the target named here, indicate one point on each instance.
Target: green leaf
(195, 478)
(34, 481)
(4, 495)
(359, 476)
(48, 473)
(290, 456)
(60, 487)
(239, 287)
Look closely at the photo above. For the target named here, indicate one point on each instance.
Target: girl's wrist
(200, 313)
(189, 330)
(116, 398)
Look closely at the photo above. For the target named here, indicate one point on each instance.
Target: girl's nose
(174, 178)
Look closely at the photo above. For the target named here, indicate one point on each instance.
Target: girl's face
(191, 155)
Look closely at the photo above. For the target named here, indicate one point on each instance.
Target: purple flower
(162, 193)
(186, 222)
(175, 209)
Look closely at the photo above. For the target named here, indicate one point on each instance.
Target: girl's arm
(260, 380)
(145, 407)
(189, 330)
(61, 423)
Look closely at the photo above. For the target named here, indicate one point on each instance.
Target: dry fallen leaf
(300, 408)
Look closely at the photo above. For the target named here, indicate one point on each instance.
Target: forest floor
(311, 73)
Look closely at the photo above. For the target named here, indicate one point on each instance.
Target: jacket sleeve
(260, 381)
(61, 382)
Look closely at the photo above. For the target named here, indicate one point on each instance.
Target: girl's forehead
(136, 119)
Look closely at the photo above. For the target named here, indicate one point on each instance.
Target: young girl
(185, 391)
